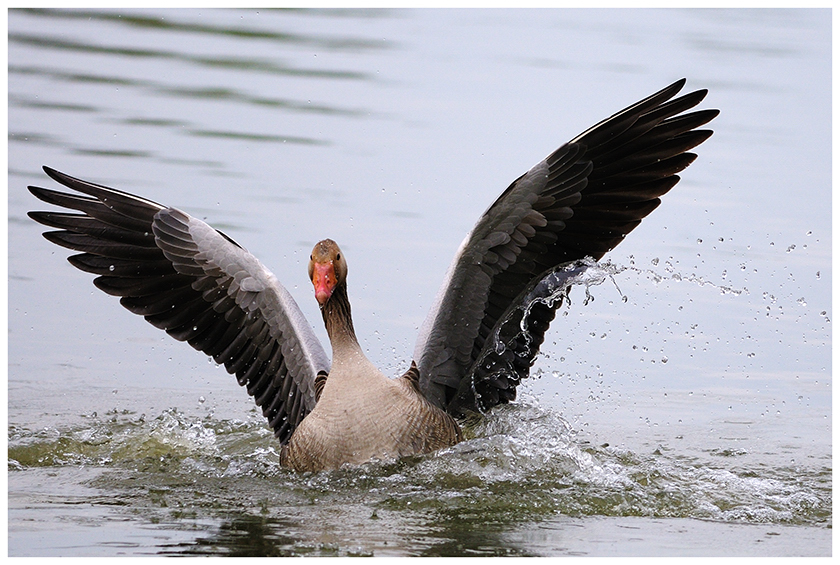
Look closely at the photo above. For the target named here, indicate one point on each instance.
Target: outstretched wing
(198, 285)
(492, 311)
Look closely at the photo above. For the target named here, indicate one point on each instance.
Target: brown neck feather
(337, 318)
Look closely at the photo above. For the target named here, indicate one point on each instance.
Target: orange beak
(324, 281)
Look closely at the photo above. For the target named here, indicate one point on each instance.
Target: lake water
(685, 411)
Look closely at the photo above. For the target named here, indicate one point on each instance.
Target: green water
(217, 483)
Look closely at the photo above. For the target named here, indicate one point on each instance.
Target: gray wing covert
(198, 285)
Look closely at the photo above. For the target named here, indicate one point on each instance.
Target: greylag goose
(480, 337)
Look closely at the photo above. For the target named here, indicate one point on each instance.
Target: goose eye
(310, 257)
(338, 256)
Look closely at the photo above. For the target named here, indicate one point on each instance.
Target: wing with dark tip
(500, 293)
(196, 284)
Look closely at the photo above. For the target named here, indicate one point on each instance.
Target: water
(680, 407)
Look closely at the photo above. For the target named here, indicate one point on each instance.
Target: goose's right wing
(198, 285)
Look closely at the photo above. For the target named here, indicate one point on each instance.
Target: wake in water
(521, 462)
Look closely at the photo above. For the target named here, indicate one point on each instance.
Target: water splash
(673, 275)
(522, 462)
(555, 287)
(124, 439)
(519, 333)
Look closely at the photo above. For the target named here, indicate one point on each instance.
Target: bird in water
(480, 337)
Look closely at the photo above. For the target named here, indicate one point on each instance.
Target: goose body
(479, 339)
(361, 414)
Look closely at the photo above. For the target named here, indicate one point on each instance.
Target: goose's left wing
(488, 323)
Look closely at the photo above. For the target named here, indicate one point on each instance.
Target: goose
(479, 339)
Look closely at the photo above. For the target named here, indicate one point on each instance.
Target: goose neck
(338, 321)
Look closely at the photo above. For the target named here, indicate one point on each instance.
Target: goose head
(327, 269)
